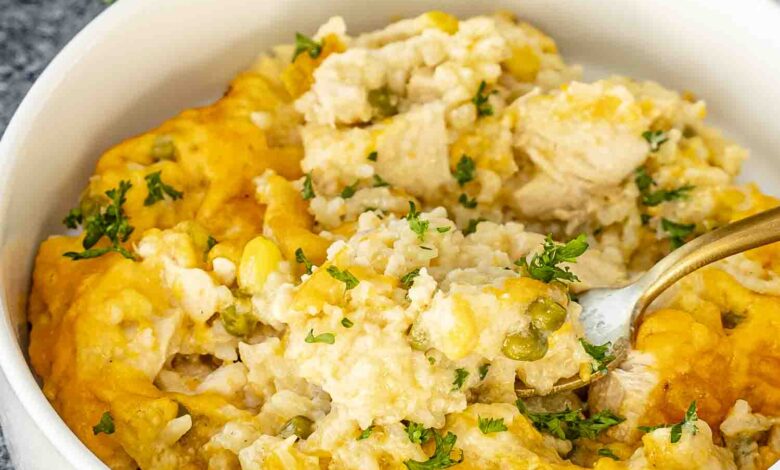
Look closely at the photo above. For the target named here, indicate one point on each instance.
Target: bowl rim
(13, 362)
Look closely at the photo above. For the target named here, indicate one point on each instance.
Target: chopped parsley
(483, 370)
(489, 425)
(327, 338)
(464, 170)
(308, 190)
(431, 360)
(652, 198)
(416, 224)
(442, 456)
(408, 279)
(300, 258)
(307, 45)
(544, 266)
(480, 100)
(606, 452)
(690, 418)
(599, 353)
(730, 319)
(472, 227)
(373, 156)
(460, 378)
(571, 424)
(379, 182)
(366, 433)
(109, 221)
(384, 102)
(677, 232)
(442, 229)
(418, 434)
(347, 323)
(642, 180)
(105, 425)
(344, 276)
(466, 202)
(210, 243)
(655, 139)
(349, 191)
(157, 189)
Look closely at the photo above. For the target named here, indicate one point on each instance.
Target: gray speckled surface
(31, 33)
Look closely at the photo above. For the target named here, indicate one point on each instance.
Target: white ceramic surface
(144, 60)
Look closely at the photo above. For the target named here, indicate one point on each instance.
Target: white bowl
(144, 60)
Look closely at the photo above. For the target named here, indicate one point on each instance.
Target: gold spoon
(611, 315)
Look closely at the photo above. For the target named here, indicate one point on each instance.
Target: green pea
(546, 314)
(383, 101)
(235, 323)
(418, 338)
(529, 345)
(300, 426)
(163, 148)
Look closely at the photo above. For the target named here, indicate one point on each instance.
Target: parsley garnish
(571, 424)
(347, 323)
(308, 190)
(483, 370)
(157, 189)
(327, 338)
(408, 279)
(489, 425)
(652, 198)
(677, 232)
(606, 452)
(105, 425)
(417, 433)
(464, 170)
(109, 221)
(416, 224)
(472, 227)
(599, 353)
(466, 202)
(373, 156)
(308, 45)
(210, 243)
(349, 191)
(730, 320)
(344, 276)
(655, 139)
(442, 456)
(383, 101)
(460, 378)
(300, 257)
(366, 433)
(691, 416)
(480, 100)
(442, 229)
(379, 182)
(544, 266)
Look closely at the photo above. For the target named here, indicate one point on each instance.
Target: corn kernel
(260, 257)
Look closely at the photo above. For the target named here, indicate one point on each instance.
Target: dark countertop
(31, 33)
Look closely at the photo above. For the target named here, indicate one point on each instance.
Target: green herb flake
(675, 434)
(490, 425)
(483, 371)
(464, 170)
(408, 279)
(347, 323)
(418, 434)
(730, 319)
(677, 232)
(157, 189)
(384, 102)
(442, 456)
(431, 360)
(480, 100)
(544, 266)
(373, 156)
(466, 202)
(460, 378)
(379, 182)
(308, 189)
(571, 424)
(442, 229)
(349, 191)
(643, 180)
(307, 45)
(105, 425)
(366, 433)
(599, 353)
(652, 198)
(300, 258)
(472, 226)
(349, 280)
(606, 452)
(655, 139)
(210, 243)
(326, 338)
(109, 221)
(416, 224)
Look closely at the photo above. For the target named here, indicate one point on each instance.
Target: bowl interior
(146, 60)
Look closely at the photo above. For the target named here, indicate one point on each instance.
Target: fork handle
(751, 232)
